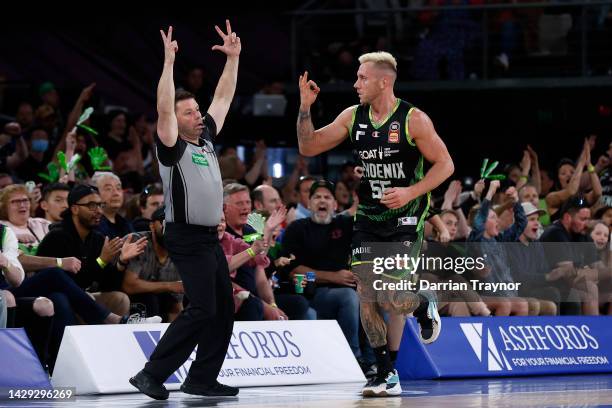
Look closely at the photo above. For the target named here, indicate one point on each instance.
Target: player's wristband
(58, 261)
(251, 252)
(101, 262)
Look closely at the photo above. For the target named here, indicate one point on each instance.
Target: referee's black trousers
(209, 319)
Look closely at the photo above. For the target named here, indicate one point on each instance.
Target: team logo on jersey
(375, 134)
(407, 221)
(394, 132)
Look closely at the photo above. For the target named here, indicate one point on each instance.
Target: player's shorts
(385, 265)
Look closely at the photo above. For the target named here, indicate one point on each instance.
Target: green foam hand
(257, 222)
(485, 171)
(67, 166)
(98, 157)
(52, 174)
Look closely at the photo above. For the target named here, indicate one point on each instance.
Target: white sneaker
(387, 387)
(136, 318)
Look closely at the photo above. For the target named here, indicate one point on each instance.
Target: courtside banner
(509, 346)
(19, 364)
(102, 358)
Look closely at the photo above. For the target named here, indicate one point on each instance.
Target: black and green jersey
(389, 158)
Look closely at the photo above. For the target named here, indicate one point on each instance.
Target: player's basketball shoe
(389, 386)
(428, 317)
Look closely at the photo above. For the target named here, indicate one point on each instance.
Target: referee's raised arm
(167, 127)
(226, 87)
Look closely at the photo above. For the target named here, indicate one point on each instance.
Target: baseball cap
(575, 202)
(322, 184)
(79, 191)
(46, 87)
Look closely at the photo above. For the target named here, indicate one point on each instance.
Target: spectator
(237, 254)
(600, 234)
(486, 231)
(349, 177)
(15, 213)
(47, 118)
(67, 297)
(49, 95)
(13, 148)
(604, 170)
(569, 181)
(40, 155)
(529, 266)
(128, 162)
(54, 201)
(343, 196)
(5, 180)
(151, 198)
(572, 258)
(237, 207)
(33, 313)
(303, 189)
(115, 140)
(112, 224)
(460, 303)
(266, 198)
(322, 244)
(76, 236)
(290, 194)
(25, 116)
(605, 215)
(12, 272)
(151, 278)
(195, 82)
(257, 173)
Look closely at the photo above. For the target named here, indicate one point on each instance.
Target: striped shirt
(193, 192)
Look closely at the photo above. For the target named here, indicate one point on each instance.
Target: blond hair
(5, 197)
(381, 59)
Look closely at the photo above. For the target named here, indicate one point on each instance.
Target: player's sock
(383, 360)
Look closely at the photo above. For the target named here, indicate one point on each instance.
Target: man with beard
(322, 244)
(151, 278)
(392, 139)
(76, 237)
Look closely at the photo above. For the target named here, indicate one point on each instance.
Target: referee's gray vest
(193, 192)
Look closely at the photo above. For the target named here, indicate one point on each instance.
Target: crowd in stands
(81, 222)
(447, 43)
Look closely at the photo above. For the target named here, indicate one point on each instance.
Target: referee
(193, 196)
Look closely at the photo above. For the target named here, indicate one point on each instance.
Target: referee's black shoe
(215, 390)
(149, 386)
